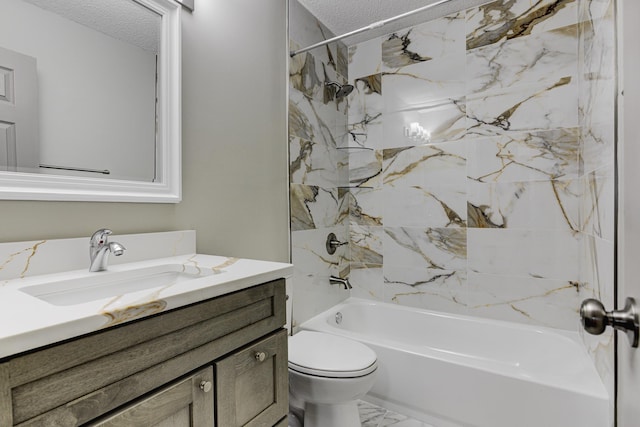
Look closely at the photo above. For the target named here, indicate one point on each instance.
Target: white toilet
(327, 376)
(329, 373)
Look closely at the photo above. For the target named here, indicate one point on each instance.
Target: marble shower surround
(318, 168)
(507, 211)
(513, 149)
(597, 120)
(487, 217)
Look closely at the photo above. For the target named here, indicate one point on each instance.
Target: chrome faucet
(100, 247)
(333, 280)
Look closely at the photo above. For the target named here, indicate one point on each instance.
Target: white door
(19, 136)
(628, 359)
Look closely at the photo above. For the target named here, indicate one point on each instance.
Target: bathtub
(459, 371)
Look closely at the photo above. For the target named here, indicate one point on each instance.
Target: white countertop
(27, 322)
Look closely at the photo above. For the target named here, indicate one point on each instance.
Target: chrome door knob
(595, 319)
(260, 356)
(593, 316)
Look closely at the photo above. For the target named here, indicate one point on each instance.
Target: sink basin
(111, 284)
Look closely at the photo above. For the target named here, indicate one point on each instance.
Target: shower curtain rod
(367, 28)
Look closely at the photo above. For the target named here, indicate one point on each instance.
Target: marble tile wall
(481, 212)
(488, 188)
(597, 122)
(318, 168)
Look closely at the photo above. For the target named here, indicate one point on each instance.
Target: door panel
(19, 118)
(8, 160)
(628, 359)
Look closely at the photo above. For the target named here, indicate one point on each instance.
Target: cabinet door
(252, 384)
(187, 403)
(283, 423)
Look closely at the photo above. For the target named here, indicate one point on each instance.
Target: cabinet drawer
(253, 384)
(74, 382)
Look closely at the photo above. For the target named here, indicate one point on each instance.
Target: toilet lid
(326, 355)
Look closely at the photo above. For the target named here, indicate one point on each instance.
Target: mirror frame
(26, 186)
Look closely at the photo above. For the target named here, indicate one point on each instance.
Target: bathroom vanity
(207, 351)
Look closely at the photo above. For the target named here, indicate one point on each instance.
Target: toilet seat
(330, 356)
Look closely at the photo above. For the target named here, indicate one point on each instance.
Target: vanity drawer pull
(206, 386)
(260, 356)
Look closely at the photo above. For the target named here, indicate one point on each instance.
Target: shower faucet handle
(333, 243)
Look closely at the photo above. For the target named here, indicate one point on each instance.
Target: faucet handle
(100, 236)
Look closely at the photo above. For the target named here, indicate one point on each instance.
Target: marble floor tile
(370, 415)
(376, 416)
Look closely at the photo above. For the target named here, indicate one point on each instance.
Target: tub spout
(333, 280)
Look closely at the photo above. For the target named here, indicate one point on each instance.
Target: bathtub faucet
(333, 280)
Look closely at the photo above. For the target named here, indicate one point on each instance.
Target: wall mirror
(90, 100)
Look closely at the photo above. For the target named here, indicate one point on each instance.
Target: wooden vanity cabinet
(219, 362)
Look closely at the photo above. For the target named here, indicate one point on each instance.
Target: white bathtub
(451, 370)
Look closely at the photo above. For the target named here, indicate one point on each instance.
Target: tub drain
(338, 318)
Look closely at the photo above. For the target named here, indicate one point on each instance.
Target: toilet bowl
(327, 376)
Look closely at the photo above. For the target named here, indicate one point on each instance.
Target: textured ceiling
(343, 16)
(122, 19)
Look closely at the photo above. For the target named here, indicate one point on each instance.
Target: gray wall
(234, 145)
(234, 128)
